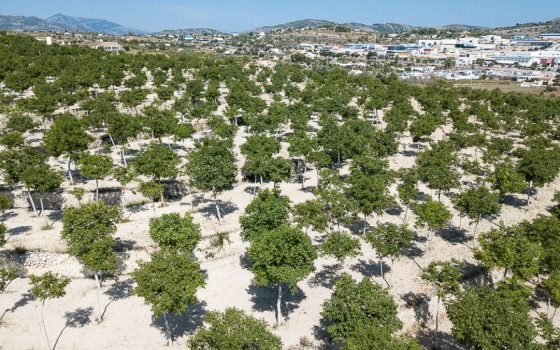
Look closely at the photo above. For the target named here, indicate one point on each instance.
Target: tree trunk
(255, 185)
(505, 273)
(391, 275)
(217, 208)
(365, 223)
(529, 194)
(538, 193)
(98, 284)
(96, 191)
(123, 158)
(427, 248)
(474, 233)
(112, 141)
(381, 267)
(32, 202)
(437, 322)
(42, 206)
(548, 308)
(439, 196)
(405, 212)
(69, 172)
(44, 327)
(279, 305)
(167, 331)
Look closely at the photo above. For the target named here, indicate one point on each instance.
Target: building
(112, 46)
(530, 42)
(187, 38)
(553, 36)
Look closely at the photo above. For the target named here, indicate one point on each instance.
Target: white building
(111, 46)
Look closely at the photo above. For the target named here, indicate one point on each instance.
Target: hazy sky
(240, 15)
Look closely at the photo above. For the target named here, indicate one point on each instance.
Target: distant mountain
(61, 22)
(89, 25)
(316, 23)
(466, 27)
(188, 31)
(26, 23)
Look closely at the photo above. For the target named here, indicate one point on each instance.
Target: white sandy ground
(127, 323)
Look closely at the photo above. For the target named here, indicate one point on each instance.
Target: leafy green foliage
(171, 231)
(7, 273)
(552, 286)
(476, 202)
(88, 232)
(12, 140)
(157, 161)
(95, 166)
(268, 211)
(48, 286)
(281, 255)
(5, 203)
(389, 239)
(489, 319)
(434, 167)
(432, 214)
(3, 230)
(354, 305)
(310, 214)
(509, 248)
(444, 276)
(234, 330)
(66, 136)
(340, 245)
(168, 282)
(372, 337)
(506, 179)
(211, 166)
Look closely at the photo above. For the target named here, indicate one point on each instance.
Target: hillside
(188, 31)
(315, 23)
(60, 22)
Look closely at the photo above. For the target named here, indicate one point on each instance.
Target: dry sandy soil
(72, 321)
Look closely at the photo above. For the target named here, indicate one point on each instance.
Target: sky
(243, 15)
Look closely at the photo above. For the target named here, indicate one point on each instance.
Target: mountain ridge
(60, 22)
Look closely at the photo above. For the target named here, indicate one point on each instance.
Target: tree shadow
(476, 275)
(426, 339)
(409, 153)
(419, 303)
(356, 226)
(454, 235)
(119, 290)
(185, 323)
(7, 216)
(75, 319)
(138, 208)
(55, 215)
(244, 261)
(19, 230)
(110, 195)
(251, 189)
(371, 268)
(226, 208)
(513, 201)
(412, 251)
(265, 298)
(25, 299)
(326, 277)
(322, 335)
(122, 245)
(396, 211)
